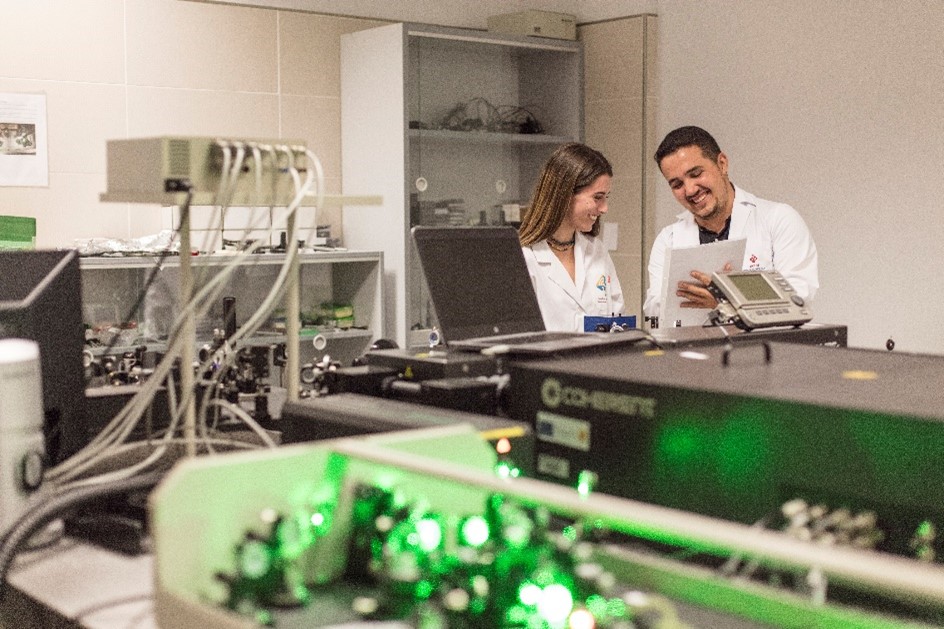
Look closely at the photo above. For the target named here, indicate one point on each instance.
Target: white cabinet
(346, 280)
(450, 127)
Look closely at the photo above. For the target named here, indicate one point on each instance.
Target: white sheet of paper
(23, 156)
(680, 262)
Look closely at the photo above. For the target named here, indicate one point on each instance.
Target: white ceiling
(462, 13)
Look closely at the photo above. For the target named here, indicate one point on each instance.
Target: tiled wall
(139, 68)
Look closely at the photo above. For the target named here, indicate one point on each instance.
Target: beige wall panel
(624, 210)
(78, 115)
(613, 58)
(160, 111)
(624, 214)
(614, 104)
(205, 46)
(333, 185)
(627, 269)
(614, 127)
(74, 40)
(654, 182)
(69, 209)
(310, 52)
(318, 122)
(145, 220)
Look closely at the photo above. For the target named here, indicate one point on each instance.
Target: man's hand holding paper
(688, 270)
(696, 294)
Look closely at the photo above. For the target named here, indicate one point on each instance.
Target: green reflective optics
(581, 619)
(518, 527)
(529, 594)
(290, 535)
(517, 536)
(545, 575)
(424, 589)
(254, 559)
(616, 608)
(430, 534)
(516, 615)
(475, 531)
(504, 469)
(555, 603)
(597, 605)
(586, 481)
(536, 622)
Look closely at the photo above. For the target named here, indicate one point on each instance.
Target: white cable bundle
(111, 440)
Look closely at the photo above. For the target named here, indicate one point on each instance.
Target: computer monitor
(41, 300)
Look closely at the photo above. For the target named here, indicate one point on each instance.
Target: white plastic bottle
(21, 427)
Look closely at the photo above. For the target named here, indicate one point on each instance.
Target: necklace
(561, 245)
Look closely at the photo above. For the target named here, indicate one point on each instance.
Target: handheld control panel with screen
(757, 299)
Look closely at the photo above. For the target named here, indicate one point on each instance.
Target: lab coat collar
(744, 204)
(556, 271)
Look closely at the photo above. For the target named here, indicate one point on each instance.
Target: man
(776, 236)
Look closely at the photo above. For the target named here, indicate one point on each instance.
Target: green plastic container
(17, 232)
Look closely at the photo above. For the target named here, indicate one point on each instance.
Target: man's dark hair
(688, 136)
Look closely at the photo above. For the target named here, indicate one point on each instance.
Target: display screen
(478, 281)
(754, 287)
(41, 300)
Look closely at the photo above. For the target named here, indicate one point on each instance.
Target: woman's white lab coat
(594, 291)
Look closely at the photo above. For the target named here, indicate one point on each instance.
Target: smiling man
(776, 236)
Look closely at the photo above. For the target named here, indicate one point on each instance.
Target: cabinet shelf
(111, 285)
(332, 336)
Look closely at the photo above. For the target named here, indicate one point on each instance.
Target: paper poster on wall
(23, 156)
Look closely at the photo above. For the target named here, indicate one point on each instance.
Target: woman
(570, 267)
